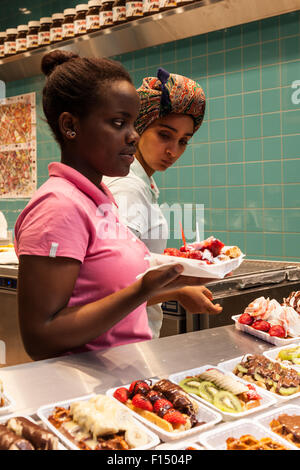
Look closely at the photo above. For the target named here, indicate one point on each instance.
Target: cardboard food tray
(262, 334)
(45, 411)
(267, 397)
(216, 439)
(3, 420)
(194, 267)
(273, 353)
(204, 414)
(228, 366)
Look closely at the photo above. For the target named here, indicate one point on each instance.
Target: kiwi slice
(242, 369)
(288, 390)
(227, 402)
(296, 360)
(190, 385)
(207, 391)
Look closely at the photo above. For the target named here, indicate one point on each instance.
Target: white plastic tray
(204, 414)
(216, 439)
(45, 411)
(266, 401)
(266, 418)
(228, 366)
(179, 446)
(194, 267)
(262, 334)
(3, 420)
(273, 353)
(9, 404)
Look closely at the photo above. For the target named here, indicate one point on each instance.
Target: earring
(71, 134)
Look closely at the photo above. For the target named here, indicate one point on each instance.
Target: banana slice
(135, 437)
(223, 381)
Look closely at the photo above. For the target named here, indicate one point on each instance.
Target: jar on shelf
(56, 30)
(68, 23)
(44, 31)
(134, 10)
(10, 46)
(21, 40)
(119, 12)
(106, 14)
(93, 16)
(2, 39)
(150, 7)
(80, 19)
(165, 5)
(33, 35)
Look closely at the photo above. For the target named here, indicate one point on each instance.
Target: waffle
(248, 442)
(280, 429)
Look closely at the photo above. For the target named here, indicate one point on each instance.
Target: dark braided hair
(76, 84)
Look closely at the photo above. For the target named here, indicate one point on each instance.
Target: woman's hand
(197, 300)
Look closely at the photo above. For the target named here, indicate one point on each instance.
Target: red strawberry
(161, 406)
(261, 325)
(277, 330)
(142, 402)
(138, 386)
(153, 396)
(121, 394)
(246, 319)
(216, 247)
(252, 394)
(172, 252)
(196, 254)
(174, 417)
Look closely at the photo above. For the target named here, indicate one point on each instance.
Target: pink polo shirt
(69, 216)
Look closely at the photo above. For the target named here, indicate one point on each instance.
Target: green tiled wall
(243, 164)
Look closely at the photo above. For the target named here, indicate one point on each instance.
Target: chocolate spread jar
(150, 7)
(44, 31)
(33, 35)
(21, 40)
(68, 23)
(56, 30)
(167, 4)
(134, 10)
(80, 19)
(10, 47)
(2, 38)
(93, 16)
(119, 11)
(106, 14)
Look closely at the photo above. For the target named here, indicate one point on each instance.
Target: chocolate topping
(291, 424)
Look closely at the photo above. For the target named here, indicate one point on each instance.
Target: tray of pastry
(226, 393)
(284, 421)
(165, 408)
(282, 382)
(96, 422)
(288, 356)
(244, 434)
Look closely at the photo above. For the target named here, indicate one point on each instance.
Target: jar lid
(82, 7)
(11, 31)
(33, 24)
(22, 27)
(57, 16)
(45, 20)
(69, 11)
(94, 3)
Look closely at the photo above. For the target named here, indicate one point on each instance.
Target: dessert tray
(275, 420)
(288, 356)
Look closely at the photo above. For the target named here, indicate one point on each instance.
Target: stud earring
(71, 134)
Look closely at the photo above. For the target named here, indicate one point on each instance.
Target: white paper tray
(266, 418)
(272, 355)
(9, 404)
(266, 401)
(262, 334)
(228, 366)
(194, 267)
(179, 446)
(3, 420)
(45, 411)
(216, 439)
(204, 414)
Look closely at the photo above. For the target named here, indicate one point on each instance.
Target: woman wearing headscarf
(172, 110)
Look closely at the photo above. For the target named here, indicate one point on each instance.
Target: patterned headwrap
(169, 93)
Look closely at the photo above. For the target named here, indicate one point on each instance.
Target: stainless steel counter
(48, 381)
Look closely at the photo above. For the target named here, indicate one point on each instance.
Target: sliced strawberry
(171, 252)
(142, 402)
(277, 330)
(174, 417)
(161, 406)
(246, 319)
(153, 396)
(139, 386)
(196, 255)
(261, 325)
(252, 394)
(121, 394)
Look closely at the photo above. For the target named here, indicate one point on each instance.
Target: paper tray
(204, 414)
(44, 411)
(267, 397)
(194, 267)
(228, 366)
(262, 334)
(216, 439)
